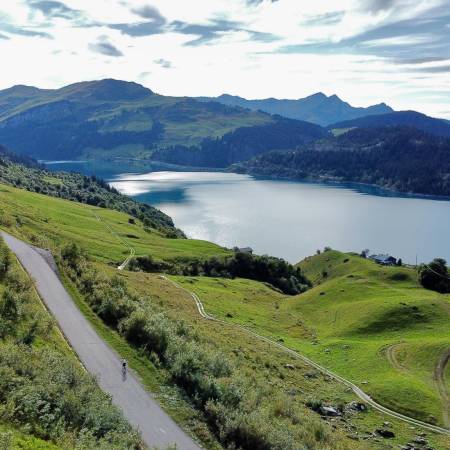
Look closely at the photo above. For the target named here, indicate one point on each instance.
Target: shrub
(435, 276)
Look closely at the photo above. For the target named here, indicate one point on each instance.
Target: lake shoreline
(156, 166)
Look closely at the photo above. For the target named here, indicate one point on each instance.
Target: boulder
(383, 432)
(329, 411)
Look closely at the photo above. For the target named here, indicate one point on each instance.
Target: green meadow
(375, 326)
(104, 234)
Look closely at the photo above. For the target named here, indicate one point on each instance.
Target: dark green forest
(399, 158)
(242, 144)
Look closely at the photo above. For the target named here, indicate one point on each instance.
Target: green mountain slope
(116, 119)
(373, 325)
(109, 118)
(26, 173)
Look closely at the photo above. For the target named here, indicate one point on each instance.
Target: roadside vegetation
(46, 398)
(230, 402)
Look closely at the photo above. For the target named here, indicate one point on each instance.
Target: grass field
(360, 321)
(53, 221)
(375, 326)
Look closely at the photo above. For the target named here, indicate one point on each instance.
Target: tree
(435, 276)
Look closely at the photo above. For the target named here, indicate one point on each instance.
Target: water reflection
(293, 219)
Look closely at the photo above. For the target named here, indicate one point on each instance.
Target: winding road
(139, 407)
(358, 391)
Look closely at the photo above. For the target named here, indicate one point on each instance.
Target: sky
(365, 51)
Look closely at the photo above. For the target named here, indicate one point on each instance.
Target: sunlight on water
(291, 219)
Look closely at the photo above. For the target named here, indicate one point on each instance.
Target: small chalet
(384, 260)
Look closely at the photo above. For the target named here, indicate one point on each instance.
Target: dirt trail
(358, 391)
(441, 383)
(391, 355)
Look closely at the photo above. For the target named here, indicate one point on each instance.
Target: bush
(435, 276)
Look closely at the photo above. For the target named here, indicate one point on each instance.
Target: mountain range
(317, 108)
(113, 119)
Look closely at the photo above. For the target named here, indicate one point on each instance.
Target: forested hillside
(242, 144)
(437, 127)
(399, 158)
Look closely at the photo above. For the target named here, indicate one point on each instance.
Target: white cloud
(335, 47)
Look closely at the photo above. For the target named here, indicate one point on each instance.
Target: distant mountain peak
(317, 108)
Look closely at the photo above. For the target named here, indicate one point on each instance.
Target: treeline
(21, 173)
(268, 269)
(43, 389)
(399, 158)
(233, 404)
(242, 144)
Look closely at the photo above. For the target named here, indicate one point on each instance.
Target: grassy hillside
(275, 393)
(26, 173)
(102, 233)
(376, 326)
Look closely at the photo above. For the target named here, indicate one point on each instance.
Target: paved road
(141, 410)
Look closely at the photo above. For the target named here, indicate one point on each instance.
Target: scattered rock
(327, 350)
(387, 434)
(329, 411)
(420, 440)
(322, 293)
(364, 382)
(357, 406)
(289, 366)
(229, 315)
(311, 374)
(387, 424)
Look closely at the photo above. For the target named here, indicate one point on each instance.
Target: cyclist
(124, 366)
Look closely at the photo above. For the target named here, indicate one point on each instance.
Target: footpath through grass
(375, 326)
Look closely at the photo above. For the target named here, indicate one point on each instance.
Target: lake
(285, 218)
